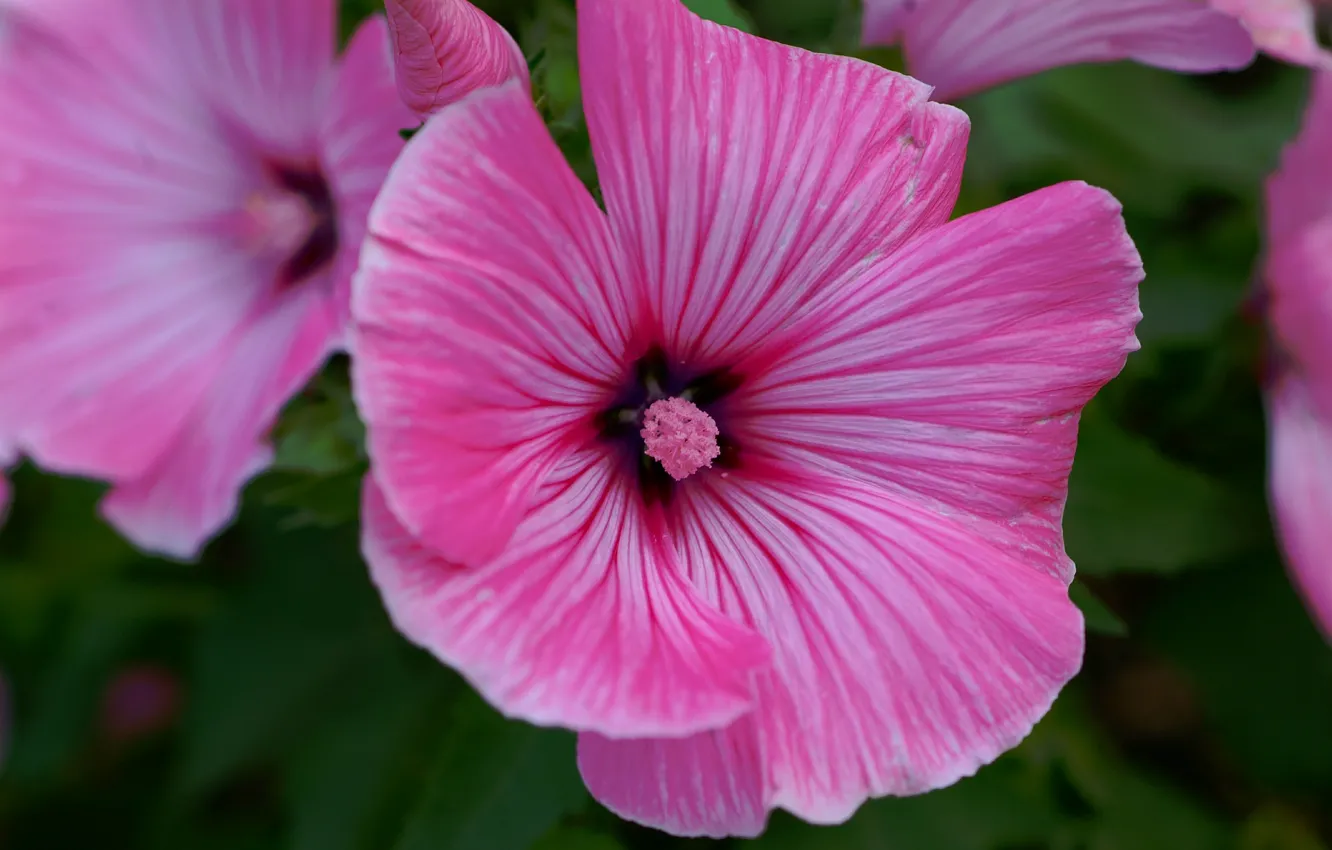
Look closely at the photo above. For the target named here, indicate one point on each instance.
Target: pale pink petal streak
(585, 621)
(1283, 28)
(955, 369)
(446, 49)
(709, 784)
(731, 207)
(489, 329)
(910, 648)
(1301, 460)
(962, 46)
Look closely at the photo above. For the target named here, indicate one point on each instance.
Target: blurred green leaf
(1149, 136)
(495, 783)
(569, 838)
(722, 12)
(1276, 827)
(1262, 667)
(305, 617)
(361, 760)
(1131, 508)
(1004, 805)
(1144, 813)
(1099, 617)
(60, 718)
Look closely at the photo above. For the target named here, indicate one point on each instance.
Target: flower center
(294, 219)
(669, 420)
(680, 436)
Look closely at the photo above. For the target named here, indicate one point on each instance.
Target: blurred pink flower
(446, 49)
(1285, 29)
(184, 188)
(1298, 295)
(864, 591)
(141, 701)
(963, 46)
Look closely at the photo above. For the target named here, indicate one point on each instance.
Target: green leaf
(570, 838)
(1263, 670)
(1131, 508)
(1004, 805)
(1144, 813)
(67, 697)
(494, 783)
(307, 615)
(1115, 804)
(722, 12)
(1277, 827)
(1099, 617)
(360, 761)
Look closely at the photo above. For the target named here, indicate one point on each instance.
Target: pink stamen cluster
(680, 436)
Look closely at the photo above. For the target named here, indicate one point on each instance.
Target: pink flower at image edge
(1285, 29)
(183, 196)
(963, 46)
(1297, 282)
(864, 592)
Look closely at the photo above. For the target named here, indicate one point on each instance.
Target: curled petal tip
(444, 50)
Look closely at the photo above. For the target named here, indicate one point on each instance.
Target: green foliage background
(1202, 721)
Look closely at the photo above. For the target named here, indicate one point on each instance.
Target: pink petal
(1298, 292)
(583, 622)
(709, 784)
(956, 368)
(1282, 28)
(910, 648)
(1302, 491)
(962, 46)
(357, 144)
(193, 490)
(743, 177)
(446, 49)
(1300, 192)
(489, 327)
(1298, 278)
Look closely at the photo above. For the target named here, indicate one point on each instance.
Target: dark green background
(1203, 718)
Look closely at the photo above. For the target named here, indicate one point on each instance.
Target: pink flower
(963, 46)
(864, 593)
(1298, 293)
(184, 186)
(446, 49)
